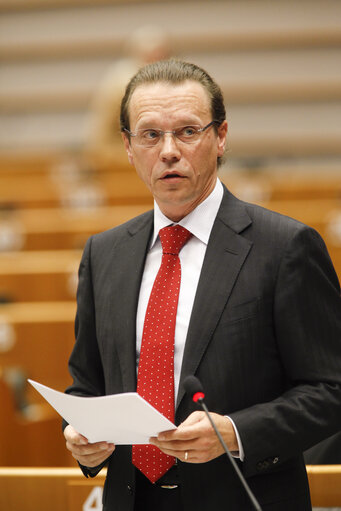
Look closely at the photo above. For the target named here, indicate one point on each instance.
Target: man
(257, 321)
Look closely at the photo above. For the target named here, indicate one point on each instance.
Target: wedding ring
(186, 456)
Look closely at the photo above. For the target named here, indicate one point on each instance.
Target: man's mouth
(172, 175)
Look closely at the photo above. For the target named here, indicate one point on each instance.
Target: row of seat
(66, 488)
(30, 436)
(65, 228)
(125, 188)
(35, 342)
(51, 272)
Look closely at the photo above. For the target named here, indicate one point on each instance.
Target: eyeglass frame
(162, 132)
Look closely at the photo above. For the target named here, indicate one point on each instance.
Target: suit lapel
(129, 258)
(225, 255)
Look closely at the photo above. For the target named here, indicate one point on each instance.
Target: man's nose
(169, 149)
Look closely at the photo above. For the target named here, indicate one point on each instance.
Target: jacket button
(275, 460)
(130, 489)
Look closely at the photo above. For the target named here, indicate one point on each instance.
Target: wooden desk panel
(41, 191)
(120, 188)
(279, 185)
(30, 437)
(325, 485)
(66, 489)
(40, 338)
(39, 275)
(42, 489)
(65, 228)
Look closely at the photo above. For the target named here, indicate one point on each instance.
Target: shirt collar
(199, 221)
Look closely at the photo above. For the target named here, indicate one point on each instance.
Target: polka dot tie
(155, 381)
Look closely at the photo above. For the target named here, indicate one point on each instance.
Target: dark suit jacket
(264, 339)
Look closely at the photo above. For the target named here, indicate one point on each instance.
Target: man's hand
(196, 437)
(88, 455)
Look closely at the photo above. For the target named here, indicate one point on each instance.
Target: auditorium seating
(41, 489)
(65, 228)
(39, 275)
(38, 339)
(30, 436)
(315, 199)
(289, 183)
(35, 341)
(40, 191)
(278, 66)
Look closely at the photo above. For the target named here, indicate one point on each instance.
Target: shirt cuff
(240, 453)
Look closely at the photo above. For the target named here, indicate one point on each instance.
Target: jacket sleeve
(85, 364)
(307, 330)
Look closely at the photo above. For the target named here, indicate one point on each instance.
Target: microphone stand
(232, 460)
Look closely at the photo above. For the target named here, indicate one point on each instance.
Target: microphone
(194, 388)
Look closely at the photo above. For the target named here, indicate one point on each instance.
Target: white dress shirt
(199, 222)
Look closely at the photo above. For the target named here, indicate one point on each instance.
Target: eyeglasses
(149, 137)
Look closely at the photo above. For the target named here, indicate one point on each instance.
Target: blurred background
(64, 176)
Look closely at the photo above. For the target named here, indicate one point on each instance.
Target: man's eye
(150, 134)
(187, 131)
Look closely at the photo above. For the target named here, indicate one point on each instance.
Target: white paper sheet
(120, 418)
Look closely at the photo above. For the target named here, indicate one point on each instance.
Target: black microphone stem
(232, 460)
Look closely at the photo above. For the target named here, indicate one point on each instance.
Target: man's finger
(89, 449)
(188, 430)
(71, 435)
(193, 418)
(94, 459)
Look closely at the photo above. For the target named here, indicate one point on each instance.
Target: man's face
(179, 175)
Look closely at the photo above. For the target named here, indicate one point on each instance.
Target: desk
(66, 489)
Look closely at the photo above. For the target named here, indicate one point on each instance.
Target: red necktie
(155, 381)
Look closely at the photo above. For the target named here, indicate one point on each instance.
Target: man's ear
(222, 134)
(127, 146)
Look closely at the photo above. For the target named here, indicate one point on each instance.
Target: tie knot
(173, 238)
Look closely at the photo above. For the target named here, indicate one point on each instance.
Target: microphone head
(194, 388)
